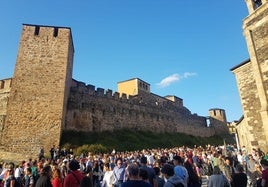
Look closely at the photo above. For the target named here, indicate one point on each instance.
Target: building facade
(252, 78)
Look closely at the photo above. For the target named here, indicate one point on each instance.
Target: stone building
(252, 78)
(42, 100)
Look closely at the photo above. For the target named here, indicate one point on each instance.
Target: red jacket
(56, 182)
(73, 179)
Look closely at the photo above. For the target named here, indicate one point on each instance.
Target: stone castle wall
(251, 104)
(91, 109)
(44, 100)
(5, 86)
(39, 91)
(252, 80)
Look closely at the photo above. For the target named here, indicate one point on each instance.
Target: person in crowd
(133, 178)
(108, 178)
(44, 179)
(150, 171)
(10, 180)
(86, 182)
(119, 172)
(171, 179)
(57, 180)
(35, 172)
(228, 169)
(217, 179)
(97, 173)
(143, 174)
(251, 168)
(160, 180)
(64, 168)
(180, 170)
(19, 172)
(194, 180)
(73, 179)
(52, 152)
(28, 178)
(239, 178)
(264, 176)
(256, 175)
(41, 153)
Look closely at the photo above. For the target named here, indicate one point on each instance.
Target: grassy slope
(126, 139)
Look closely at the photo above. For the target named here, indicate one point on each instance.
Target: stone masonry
(43, 100)
(252, 79)
(97, 110)
(39, 92)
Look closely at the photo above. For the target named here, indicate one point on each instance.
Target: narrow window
(36, 31)
(257, 3)
(56, 30)
(2, 84)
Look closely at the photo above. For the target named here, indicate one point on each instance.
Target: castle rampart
(101, 111)
(44, 100)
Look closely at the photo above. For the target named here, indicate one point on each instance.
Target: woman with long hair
(56, 178)
(10, 178)
(45, 177)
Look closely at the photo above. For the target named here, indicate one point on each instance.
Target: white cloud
(187, 74)
(174, 78)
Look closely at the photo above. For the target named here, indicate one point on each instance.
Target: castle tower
(217, 119)
(133, 86)
(252, 79)
(39, 91)
(218, 114)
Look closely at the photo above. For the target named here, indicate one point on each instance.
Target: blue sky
(182, 48)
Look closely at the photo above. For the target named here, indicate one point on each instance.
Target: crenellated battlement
(45, 98)
(88, 89)
(142, 98)
(5, 85)
(45, 30)
(108, 110)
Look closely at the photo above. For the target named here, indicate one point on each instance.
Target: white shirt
(18, 172)
(108, 179)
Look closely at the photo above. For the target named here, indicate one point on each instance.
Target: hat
(168, 169)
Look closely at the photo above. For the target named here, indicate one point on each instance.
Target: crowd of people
(163, 167)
